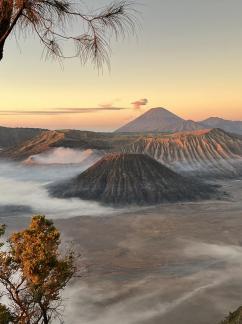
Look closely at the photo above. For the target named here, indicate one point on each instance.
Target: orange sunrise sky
(187, 57)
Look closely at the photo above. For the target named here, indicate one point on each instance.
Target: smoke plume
(139, 103)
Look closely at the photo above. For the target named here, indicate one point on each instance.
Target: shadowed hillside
(15, 136)
(122, 179)
(69, 139)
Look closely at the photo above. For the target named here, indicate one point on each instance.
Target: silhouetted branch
(51, 21)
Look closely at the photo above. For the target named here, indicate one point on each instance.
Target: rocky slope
(124, 179)
(75, 139)
(15, 136)
(227, 125)
(205, 152)
(159, 120)
(210, 152)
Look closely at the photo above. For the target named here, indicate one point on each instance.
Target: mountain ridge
(203, 152)
(11, 136)
(233, 126)
(66, 138)
(210, 152)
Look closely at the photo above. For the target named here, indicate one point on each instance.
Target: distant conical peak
(159, 120)
(161, 111)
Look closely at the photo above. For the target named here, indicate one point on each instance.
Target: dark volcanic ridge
(75, 139)
(15, 136)
(131, 179)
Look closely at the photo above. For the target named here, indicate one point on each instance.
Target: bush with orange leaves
(33, 274)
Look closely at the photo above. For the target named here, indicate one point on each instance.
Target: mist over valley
(164, 256)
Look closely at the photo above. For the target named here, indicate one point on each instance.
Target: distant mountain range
(156, 120)
(227, 125)
(131, 179)
(161, 120)
(184, 146)
(206, 152)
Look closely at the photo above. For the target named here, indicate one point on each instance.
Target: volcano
(210, 152)
(126, 179)
(159, 120)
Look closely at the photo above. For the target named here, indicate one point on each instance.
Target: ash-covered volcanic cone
(125, 179)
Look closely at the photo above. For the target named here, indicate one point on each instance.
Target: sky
(186, 57)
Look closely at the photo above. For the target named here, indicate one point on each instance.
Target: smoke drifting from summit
(139, 103)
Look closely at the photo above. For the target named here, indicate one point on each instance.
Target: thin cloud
(57, 111)
(109, 104)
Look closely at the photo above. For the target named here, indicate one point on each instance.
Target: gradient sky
(187, 58)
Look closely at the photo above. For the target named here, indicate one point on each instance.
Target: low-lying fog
(179, 263)
(23, 187)
(64, 155)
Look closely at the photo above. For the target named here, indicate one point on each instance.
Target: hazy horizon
(67, 114)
